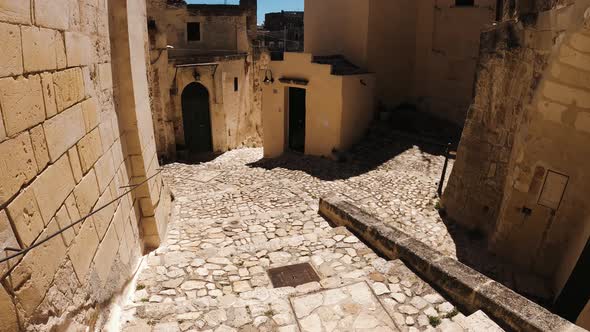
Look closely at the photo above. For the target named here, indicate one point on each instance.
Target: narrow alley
(234, 219)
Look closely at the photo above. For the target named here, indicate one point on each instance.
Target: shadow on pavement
(380, 145)
(472, 250)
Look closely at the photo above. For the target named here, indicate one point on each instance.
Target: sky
(264, 6)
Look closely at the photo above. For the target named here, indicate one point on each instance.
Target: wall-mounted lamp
(196, 75)
(268, 79)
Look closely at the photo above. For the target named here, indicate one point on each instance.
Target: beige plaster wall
(337, 27)
(358, 107)
(391, 48)
(447, 46)
(323, 106)
(423, 52)
(69, 142)
(333, 103)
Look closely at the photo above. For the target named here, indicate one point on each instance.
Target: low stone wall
(467, 287)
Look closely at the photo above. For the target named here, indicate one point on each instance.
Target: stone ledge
(467, 287)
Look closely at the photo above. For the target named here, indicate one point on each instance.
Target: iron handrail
(20, 252)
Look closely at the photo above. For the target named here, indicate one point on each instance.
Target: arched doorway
(196, 118)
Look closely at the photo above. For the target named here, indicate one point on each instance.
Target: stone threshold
(465, 286)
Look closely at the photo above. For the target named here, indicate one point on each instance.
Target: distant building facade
(203, 77)
(282, 31)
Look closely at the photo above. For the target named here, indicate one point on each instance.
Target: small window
(235, 84)
(464, 3)
(193, 31)
(151, 24)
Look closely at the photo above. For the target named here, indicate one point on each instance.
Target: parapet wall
(467, 287)
(71, 142)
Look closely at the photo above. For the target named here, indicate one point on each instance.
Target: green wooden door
(196, 118)
(297, 119)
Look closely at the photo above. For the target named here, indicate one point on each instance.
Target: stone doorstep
(465, 286)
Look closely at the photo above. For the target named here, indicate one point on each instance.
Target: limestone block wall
(159, 84)
(529, 121)
(69, 144)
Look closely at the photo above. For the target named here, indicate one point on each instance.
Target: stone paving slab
(350, 308)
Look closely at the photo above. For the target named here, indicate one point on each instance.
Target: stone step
(479, 321)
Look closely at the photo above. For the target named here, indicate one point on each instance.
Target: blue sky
(264, 6)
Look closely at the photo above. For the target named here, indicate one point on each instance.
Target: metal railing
(20, 252)
(444, 170)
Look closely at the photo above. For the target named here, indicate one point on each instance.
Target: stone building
(75, 134)
(204, 77)
(521, 176)
(283, 31)
(315, 105)
(388, 52)
(422, 52)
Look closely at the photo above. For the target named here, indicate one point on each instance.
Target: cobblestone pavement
(237, 216)
(396, 182)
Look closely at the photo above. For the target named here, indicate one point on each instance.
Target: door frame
(287, 120)
(211, 145)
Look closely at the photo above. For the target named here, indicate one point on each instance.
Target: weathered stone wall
(235, 115)
(235, 118)
(70, 140)
(160, 96)
(159, 83)
(555, 137)
(505, 78)
(530, 116)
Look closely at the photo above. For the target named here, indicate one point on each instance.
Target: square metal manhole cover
(292, 275)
